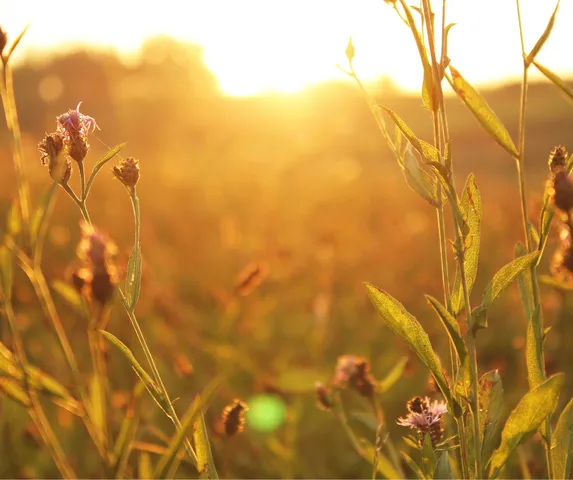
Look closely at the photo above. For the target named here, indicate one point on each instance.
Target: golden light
(257, 46)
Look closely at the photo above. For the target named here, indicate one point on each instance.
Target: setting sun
(258, 46)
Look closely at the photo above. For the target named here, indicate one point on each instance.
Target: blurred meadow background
(255, 149)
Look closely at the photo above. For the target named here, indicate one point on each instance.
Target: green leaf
(556, 79)
(101, 162)
(490, 395)
(189, 419)
(393, 376)
(543, 37)
(428, 151)
(413, 466)
(535, 372)
(525, 283)
(14, 392)
(417, 178)
(428, 456)
(443, 467)
(133, 276)
(205, 463)
(482, 112)
(451, 326)
(562, 443)
(16, 43)
(501, 280)
(151, 386)
(409, 329)
(526, 418)
(429, 92)
(471, 210)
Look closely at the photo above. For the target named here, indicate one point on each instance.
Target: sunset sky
(256, 46)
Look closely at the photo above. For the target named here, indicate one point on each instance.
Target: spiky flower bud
(557, 158)
(127, 172)
(324, 397)
(3, 40)
(234, 417)
(52, 155)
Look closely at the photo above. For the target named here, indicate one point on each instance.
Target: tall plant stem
(520, 163)
(35, 408)
(11, 113)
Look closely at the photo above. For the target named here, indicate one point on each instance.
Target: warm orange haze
(256, 46)
(187, 250)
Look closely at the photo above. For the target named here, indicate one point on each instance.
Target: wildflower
(98, 277)
(426, 417)
(557, 158)
(127, 172)
(51, 149)
(73, 123)
(324, 397)
(234, 417)
(354, 372)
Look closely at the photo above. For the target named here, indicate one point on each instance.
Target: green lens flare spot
(266, 413)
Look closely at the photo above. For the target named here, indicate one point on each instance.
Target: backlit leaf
(562, 443)
(451, 326)
(544, 36)
(490, 395)
(556, 79)
(443, 468)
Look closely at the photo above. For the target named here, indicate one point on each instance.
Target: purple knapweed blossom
(73, 123)
(426, 415)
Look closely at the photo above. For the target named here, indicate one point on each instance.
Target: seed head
(127, 172)
(234, 417)
(324, 397)
(557, 158)
(52, 149)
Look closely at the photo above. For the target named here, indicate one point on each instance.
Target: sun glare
(258, 46)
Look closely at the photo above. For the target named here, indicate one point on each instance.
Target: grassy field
(303, 185)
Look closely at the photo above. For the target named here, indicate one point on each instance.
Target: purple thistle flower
(74, 124)
(426, 417)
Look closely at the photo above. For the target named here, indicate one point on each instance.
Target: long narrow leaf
(472, 211)
(490, 396)
(544, 36)
(409, 329)
(205, 463)
(535, 406)
(101, 162)
(556, 79)
(482, 112)
(451, 326)
(562, 443)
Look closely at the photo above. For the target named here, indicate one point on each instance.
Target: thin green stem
(520, 163)
(11, 114)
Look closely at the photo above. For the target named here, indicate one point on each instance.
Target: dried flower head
(354, 372)
(324, 397)
(51, 148)
(98, 274)
(234, 417)
(127, 172)
(557, 158)
(426, 417)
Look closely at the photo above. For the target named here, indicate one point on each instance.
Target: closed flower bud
(52, 155)
(78, 148)
(127, 172)
(563, 191)
(557, 158)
